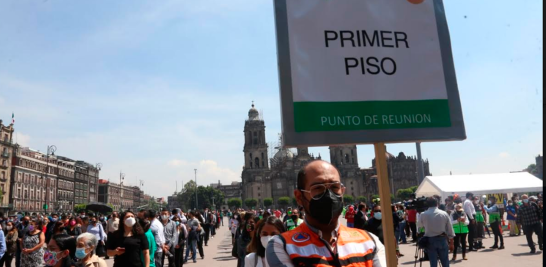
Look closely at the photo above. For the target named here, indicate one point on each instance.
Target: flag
(12, 118)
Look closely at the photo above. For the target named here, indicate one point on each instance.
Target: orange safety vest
(355, 248)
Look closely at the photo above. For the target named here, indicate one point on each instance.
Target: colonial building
(402, 171)
(34, 181)
(65, 184)
(6, 153)
(109, 193)
(230, 191)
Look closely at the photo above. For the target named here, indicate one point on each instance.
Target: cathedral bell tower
(255, 148)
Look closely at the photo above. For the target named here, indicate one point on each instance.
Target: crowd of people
(310, 234)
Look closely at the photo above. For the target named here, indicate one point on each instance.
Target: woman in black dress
(129, 243)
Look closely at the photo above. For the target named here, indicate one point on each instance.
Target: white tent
(479, 184)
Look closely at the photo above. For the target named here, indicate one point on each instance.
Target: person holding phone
(129, 243)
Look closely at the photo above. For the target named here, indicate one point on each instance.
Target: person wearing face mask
(171, 237)
(59, 250)
(194, 230)
(374, 226)
(32, 245)
(294, 220)
(530, 216)
(86, 245)
(460, 227)
(182, 232)
(511, 217)
(49, 228)
(234, 222)
(11, 244)
(265, 230)
(320, 192)
(73, 229)
(95, 228)
(112, 225)
(494, 222)
(245, 237)
(22, 228)
(129, 243)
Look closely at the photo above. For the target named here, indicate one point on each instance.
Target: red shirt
(277, 214)
(412, 216)
(350, 216)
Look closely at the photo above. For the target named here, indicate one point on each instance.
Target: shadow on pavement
(526, 254)
(487, 250)
(227, 258)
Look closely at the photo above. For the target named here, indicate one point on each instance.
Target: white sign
(363, 71)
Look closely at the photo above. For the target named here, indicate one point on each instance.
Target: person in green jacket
(460, 222)
(151, 241)
(294, 220)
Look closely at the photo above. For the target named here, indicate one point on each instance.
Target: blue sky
(158, 88)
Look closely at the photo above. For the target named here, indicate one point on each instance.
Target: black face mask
(325, 209)
(294, 218)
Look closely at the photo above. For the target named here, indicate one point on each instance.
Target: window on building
(257, 162)
(255, 138)
(3, 176)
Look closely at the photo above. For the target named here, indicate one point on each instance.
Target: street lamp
(196, 205)
(50, 151)
(121, 178)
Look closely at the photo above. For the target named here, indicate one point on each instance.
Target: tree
(405, 194)
(283, 201)
(251, 203)
(79, 208)
(348, 199)
(268, 202)
(361, 199)
(294, 202)
(235, 203)
(205, 196)
(532, 169)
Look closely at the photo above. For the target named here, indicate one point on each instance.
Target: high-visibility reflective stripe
(355, 248)
(309, 250)
(366, 260)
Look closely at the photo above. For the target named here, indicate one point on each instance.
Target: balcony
(3, 166)
(6, 142)
(4, 155)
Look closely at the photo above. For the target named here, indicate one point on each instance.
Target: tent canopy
(479, 184)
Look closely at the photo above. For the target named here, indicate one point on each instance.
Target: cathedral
(263, 177)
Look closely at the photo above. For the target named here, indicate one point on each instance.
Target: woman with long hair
(32, 245)
(73, 228)
(245, 236)
(128, 243)
(11, 235)
(60, 250)
(265, 230)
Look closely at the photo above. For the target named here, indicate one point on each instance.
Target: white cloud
(208, 171)
(504, 155)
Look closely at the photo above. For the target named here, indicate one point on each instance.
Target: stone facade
(6, 154)
(402, 171)
(65, 189)
(539, 166)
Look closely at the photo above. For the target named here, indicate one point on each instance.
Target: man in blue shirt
(511, 217)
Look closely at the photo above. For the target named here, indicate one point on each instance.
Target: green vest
(291, 225)
(494, 217)
(421, 230)
(460, 228)
(479, 217)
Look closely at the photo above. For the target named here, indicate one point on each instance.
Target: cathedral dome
(253, 114)
(283, 153)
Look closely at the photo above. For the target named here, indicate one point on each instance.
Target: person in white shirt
(265, 231)
(158, 231)
(470, 212)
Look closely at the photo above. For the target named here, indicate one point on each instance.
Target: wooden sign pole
(385, 198)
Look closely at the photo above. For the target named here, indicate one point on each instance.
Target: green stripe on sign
(369, 115)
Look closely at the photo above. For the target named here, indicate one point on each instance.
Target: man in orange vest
(321, 239)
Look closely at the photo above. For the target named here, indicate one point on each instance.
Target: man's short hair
(164, 209)
(469, 194)
(432, 202)
(150, 214)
